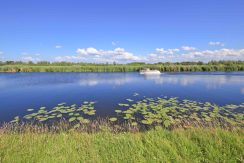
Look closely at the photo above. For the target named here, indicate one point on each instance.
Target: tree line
(45, 66)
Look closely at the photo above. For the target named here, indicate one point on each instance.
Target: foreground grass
(157, 145)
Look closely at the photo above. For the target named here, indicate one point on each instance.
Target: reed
(10, 66)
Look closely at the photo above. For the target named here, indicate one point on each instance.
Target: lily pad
(113, 119)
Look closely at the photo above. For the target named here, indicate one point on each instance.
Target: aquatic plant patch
(73, 113)
(163, 111)
(167, 111)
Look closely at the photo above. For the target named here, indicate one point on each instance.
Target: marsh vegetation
(144, 114)
(155, 129)
(11, 66)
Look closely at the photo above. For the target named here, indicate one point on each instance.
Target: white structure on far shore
(149, 72)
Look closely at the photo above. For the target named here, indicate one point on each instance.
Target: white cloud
(166, 51)
(188, 48)
(88, 51)
(1, 53)
(29, 58)
(94, 55)
(26, 57)
(205, 55)
(120, 55)
(212, 43)
(58, 46)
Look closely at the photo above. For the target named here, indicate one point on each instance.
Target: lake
(22, 91)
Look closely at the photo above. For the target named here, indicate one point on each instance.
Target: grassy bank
(161, 129)
(10, 66)
(158, 145)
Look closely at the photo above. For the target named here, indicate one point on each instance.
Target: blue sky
(121, 30)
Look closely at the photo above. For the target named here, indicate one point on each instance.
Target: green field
(157, 145)
(10, 66)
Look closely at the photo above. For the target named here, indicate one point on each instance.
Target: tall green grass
(157, 145)
(10, 66)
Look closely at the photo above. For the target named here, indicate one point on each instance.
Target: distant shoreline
(224, 66)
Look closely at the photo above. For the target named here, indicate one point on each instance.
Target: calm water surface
(21, 91)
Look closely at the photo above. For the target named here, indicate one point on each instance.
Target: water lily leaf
(72, 119)
(41, 111)
(85, 121)
(70, 114)
(43, 119)
(146, 122)
(123, 104)
(91, 112)
(130, 100)
(15, 120)
(59, 115)
(113, 119)
(61, 104)
(167, 123)
(77, 114)
(27, 117)
(134, 123)
(80, 118)
(52, 116)
(118, 111)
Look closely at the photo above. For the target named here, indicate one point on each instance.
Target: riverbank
(150, 130)
(10, 66)
(156, 145)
